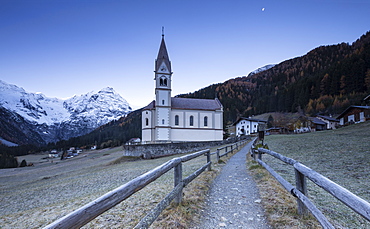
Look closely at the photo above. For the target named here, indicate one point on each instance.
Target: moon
(263, 9)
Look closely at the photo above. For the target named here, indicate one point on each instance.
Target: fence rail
(302, 172)
(85, 214)
(224, 151)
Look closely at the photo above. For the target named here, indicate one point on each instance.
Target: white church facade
(168, 119)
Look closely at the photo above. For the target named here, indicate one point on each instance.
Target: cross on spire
(162, 31)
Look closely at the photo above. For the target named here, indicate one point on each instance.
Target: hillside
(342, 155)
(325, 80)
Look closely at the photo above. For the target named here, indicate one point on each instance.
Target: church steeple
(162, 58)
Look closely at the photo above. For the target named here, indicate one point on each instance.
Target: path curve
(233, 200)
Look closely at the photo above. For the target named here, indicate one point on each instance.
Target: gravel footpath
(234, 201)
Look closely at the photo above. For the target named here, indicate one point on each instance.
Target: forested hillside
(112, 134)
(325, 80)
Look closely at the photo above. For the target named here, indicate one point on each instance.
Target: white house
(331, 123)
(247, 126)
(168, 119)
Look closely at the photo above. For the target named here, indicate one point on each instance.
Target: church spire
(162, 56)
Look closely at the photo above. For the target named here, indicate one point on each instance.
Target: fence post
(259, 155)
(301, 185)
(209, 160)
(178, 178)
(218, 155)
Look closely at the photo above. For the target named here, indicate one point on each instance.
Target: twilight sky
(64, 47)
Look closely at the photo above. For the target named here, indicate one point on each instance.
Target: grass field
(342, 155)
(33, 197)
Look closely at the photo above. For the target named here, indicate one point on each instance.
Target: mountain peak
(76, 116)
(107, 90)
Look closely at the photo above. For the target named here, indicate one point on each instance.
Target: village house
(133, 141)
(247, 126)
(354, 114)
(331, 123)
(168, 119)
(317, 124)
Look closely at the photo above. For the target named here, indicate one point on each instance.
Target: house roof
(248, 119)
(351, 107)
(191, 104)
(328, 118)
(317, 121)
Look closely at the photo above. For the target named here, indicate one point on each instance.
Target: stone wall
(149, 151)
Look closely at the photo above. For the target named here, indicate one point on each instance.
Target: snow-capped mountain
(56, 119)
(261, 69)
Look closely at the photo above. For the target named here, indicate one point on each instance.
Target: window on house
(205, 121)
(176, 120)
(191, 121)
(147, 122)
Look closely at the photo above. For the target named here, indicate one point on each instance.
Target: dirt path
(234, 201)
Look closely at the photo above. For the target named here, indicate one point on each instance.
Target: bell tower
(162, 79)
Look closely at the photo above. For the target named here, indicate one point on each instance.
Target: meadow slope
(342, 155)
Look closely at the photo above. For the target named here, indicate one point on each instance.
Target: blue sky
(63, 48)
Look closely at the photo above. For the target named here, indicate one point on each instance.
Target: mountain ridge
(56, 119)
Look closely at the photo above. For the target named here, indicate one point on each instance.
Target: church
(169, 119)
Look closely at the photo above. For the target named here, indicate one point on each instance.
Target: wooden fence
(302, 172)
(85, 214)
(225, 150)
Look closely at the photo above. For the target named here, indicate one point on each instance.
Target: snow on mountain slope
(261, 69)
(56, 119)
(33, 107)
(105, 104)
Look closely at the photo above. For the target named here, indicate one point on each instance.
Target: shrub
(23, 163)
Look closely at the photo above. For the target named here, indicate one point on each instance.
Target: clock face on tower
(163, 69)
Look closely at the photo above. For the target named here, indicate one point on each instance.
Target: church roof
(162, 57)
(196, 104)
(191, 104)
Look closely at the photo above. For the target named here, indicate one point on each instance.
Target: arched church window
(147, 122)
(162, 101)
(161, 82)
(176, 120)
(205, 121)
(191, 119)
(162, 121)
(165, 82)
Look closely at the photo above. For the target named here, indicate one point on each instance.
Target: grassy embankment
(342, 155)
